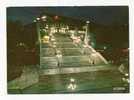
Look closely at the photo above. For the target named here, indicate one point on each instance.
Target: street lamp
(87, 22)
(37, 21)
(37, 18)
(34, 21)
(86, 33)
(44, 18)
(38, 27)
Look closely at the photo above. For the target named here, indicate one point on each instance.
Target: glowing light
(105, 47)
(44, 17)
(38, 18)
(20, 44)
(34, 21)
(87, 22)
(126, 74)
(46, 39)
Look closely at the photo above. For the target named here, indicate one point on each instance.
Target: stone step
(46, 45)
(47, 62)
(47, 52)
(47, 59)
(71, 51)
(76, 69)
(65, 45)
(66, 61)
(63, 39)
(65, 58)
(52, 65)
(64, 42)
(48, 65)
(59, 45)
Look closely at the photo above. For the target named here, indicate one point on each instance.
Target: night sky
(97, 14)
(110, 16)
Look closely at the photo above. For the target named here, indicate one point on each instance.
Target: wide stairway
(75, 58)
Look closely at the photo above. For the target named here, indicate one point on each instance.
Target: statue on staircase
(59, 58)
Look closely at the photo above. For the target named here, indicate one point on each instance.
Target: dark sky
(97, 14)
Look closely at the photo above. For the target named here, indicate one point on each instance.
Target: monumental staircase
(75, 57)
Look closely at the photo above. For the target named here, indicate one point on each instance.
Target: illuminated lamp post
(37, 21)
(56, 18)
(44, 18)
(38, 28)
(86, 39)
